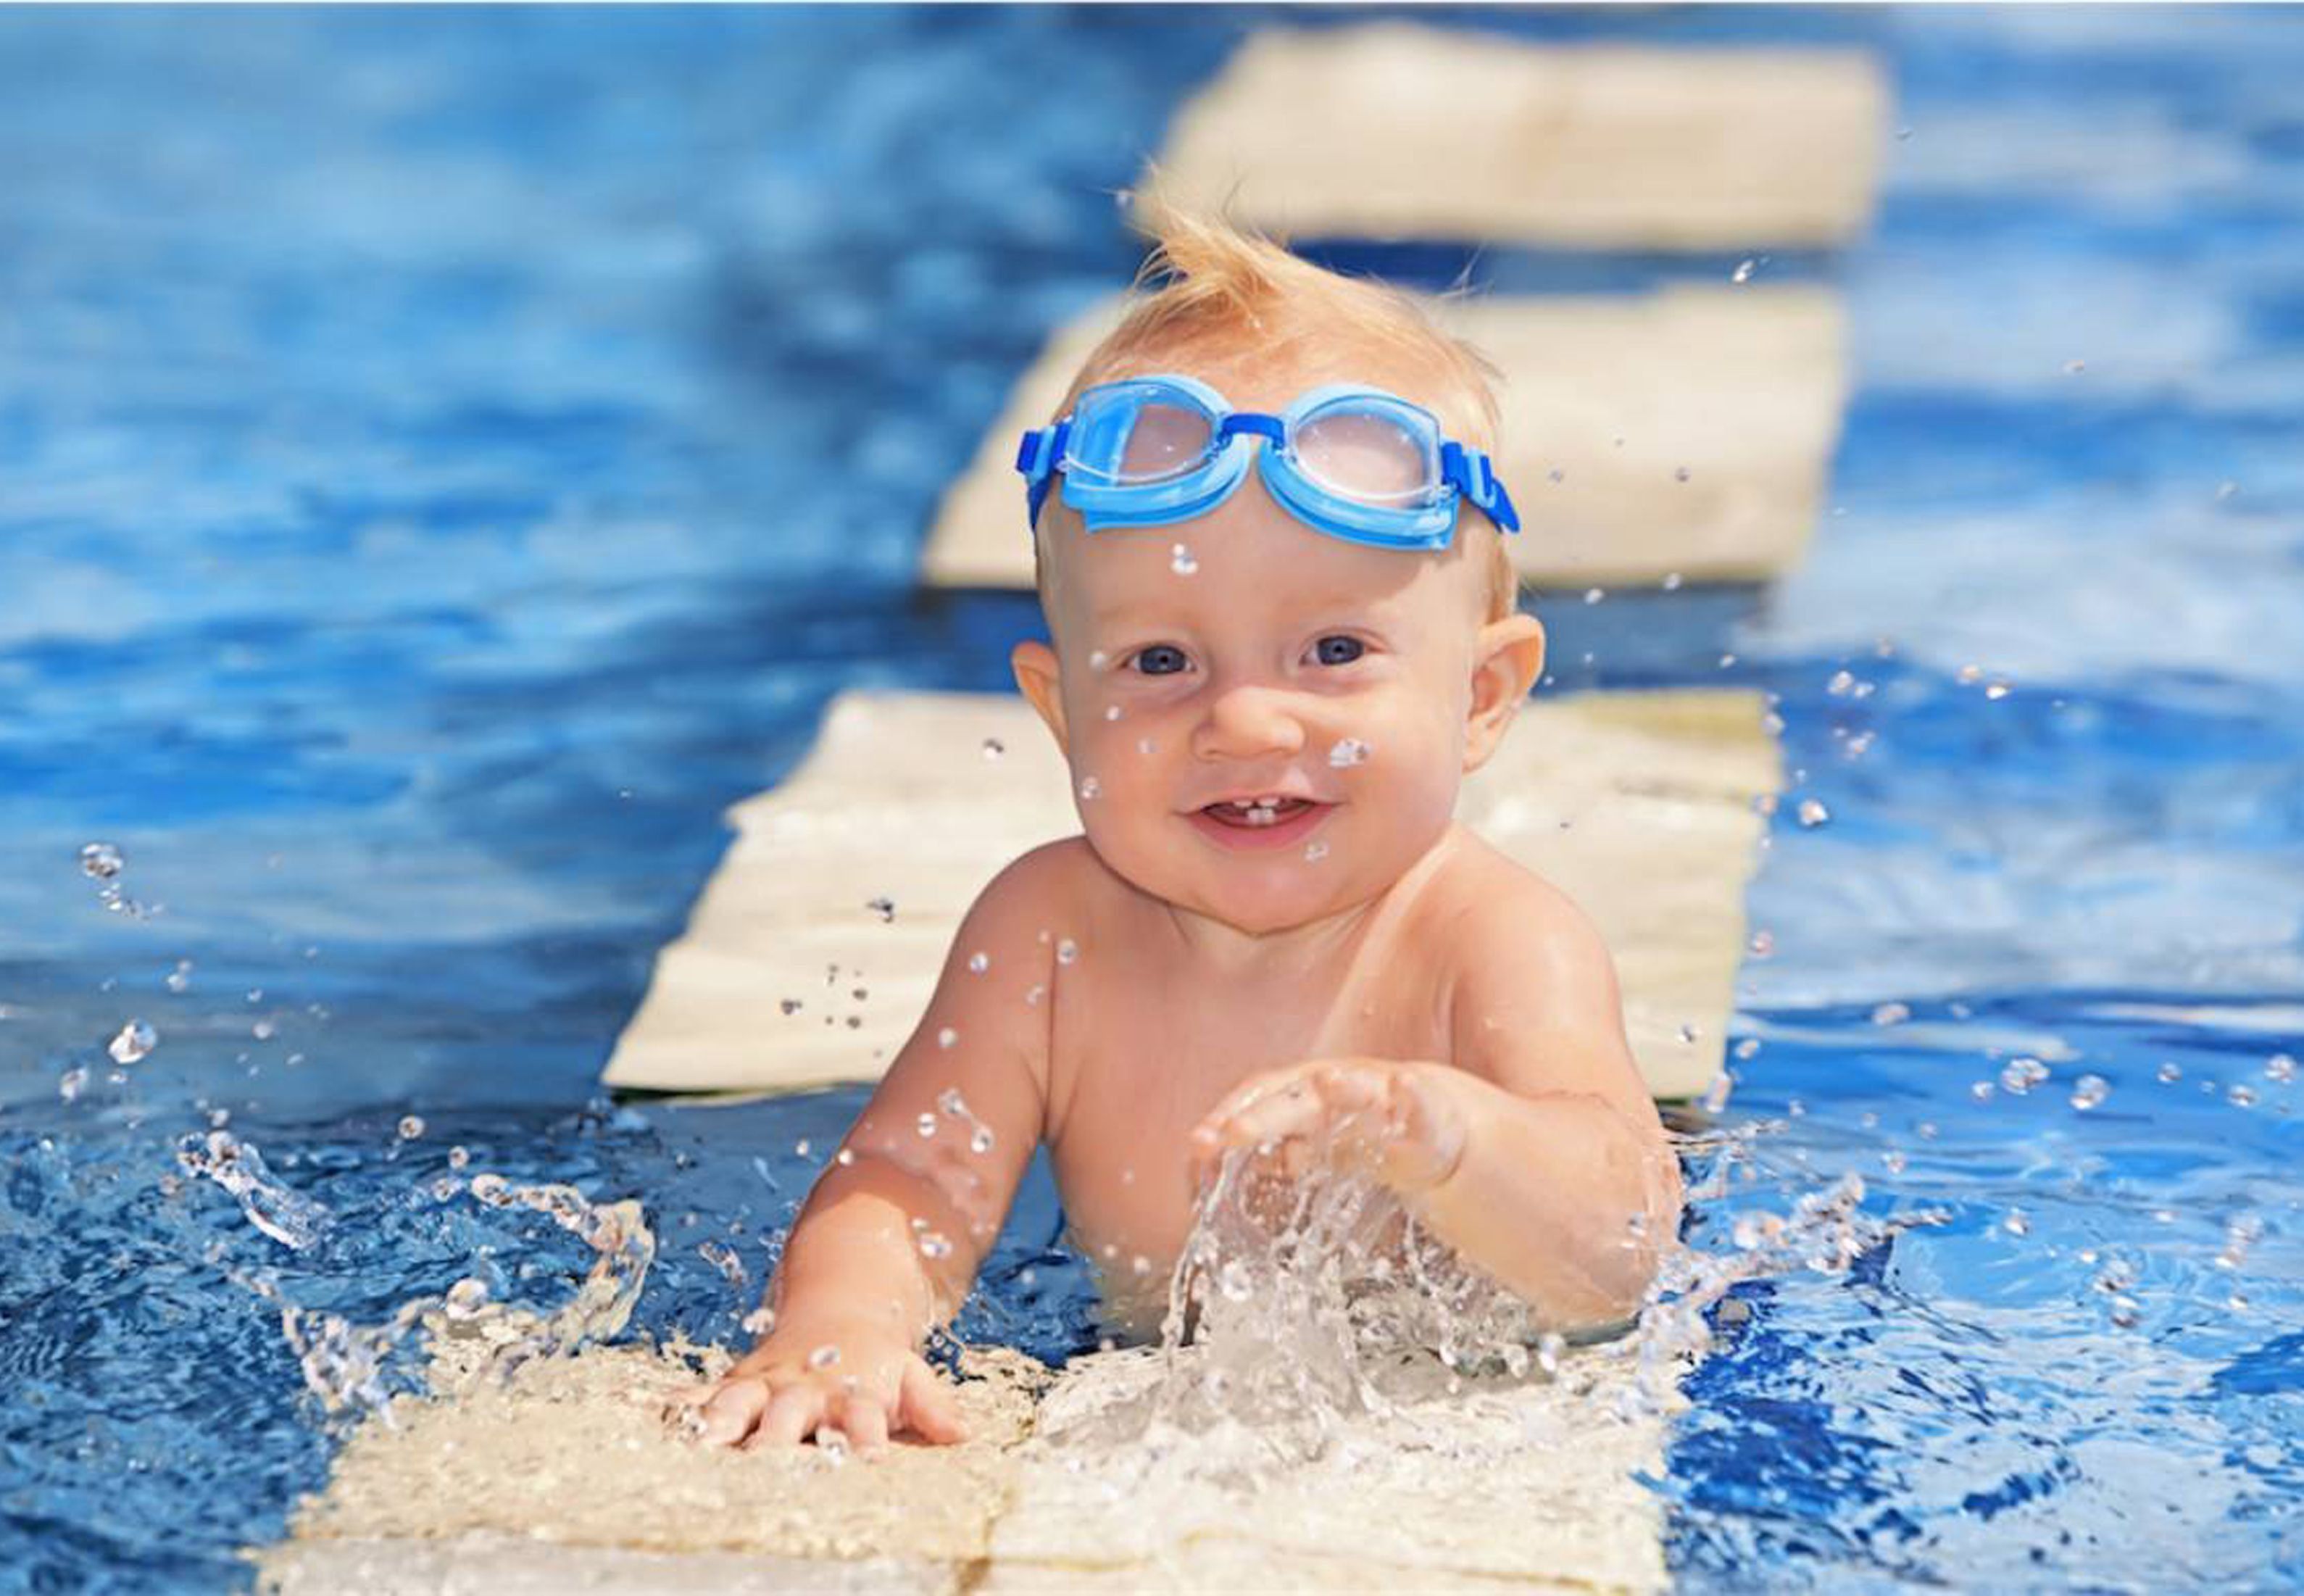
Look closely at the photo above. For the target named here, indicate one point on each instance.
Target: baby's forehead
(1266, 570)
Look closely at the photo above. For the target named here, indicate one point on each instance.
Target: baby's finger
(865, 1424)
(791, 1417)
(930, 1407)
(731, 1411)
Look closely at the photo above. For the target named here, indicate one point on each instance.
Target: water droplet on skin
(1112, 711)
(1090, 788)
(979, 962)
(993, 748)
(979, 1140)
(1348, 751)
(2089, 1092)
(946, 1037)
(180, 978)
(411, 1127)
(824, 1357)
(1067, 951)
(759, 1322)
(934, 1244)
(1181, 560)
(927, 1125)
(1032, 998)
(1146, 745)
(1812, 813)
(1315, 850)
(1097, 660)
(844, 1157)
(885, 907)
(136, 1039)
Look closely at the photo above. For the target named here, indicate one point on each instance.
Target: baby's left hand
(1397, 1121)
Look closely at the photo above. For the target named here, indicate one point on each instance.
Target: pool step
(1639, 806)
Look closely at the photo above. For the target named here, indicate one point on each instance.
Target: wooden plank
(1397, 130)
(1639, 806)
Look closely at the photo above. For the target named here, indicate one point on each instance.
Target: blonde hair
(1225, 292)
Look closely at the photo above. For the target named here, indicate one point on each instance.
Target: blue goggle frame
(1081, 446)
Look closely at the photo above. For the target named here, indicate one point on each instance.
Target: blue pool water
(445, 459)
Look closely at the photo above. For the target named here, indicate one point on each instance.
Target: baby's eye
(1338, 649)
(1161, 659)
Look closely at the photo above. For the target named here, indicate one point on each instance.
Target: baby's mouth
(1257, 812)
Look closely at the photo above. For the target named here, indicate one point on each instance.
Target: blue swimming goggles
(1355, 463)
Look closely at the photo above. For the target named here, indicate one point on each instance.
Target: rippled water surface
(446, 458)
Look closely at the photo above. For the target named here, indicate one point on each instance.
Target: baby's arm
(890, 1239)
(1534, 1150)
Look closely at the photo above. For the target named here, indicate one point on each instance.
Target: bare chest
(1142, 1048)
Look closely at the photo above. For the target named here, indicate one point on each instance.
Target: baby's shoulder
(1499, 922)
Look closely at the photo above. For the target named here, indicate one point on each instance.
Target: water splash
(351, 1368)
(288, 1217)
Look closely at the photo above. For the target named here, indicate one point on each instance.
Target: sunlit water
(444, 462)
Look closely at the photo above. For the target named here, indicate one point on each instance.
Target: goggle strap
(1036, 457)
(1474, 477)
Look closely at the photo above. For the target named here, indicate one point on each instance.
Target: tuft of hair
(1215, 293)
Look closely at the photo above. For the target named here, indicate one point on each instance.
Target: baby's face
(1243, 655)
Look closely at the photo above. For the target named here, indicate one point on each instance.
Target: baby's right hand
(787, 1390)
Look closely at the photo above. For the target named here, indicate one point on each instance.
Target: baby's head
(1250, 647)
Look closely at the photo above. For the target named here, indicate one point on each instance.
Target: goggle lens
(1167, 441)
(1368, 456)
(1127, 438)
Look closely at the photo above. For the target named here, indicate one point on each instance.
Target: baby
(1284, 628)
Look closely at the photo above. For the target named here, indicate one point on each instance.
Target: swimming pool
(414, 509)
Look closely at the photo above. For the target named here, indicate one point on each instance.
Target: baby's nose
(1249, 722)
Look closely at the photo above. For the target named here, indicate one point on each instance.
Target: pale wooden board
(1739, 386)
(1639, 806)
(1393, 129)
(565, 1478)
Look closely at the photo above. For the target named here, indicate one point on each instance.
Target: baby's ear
(1038, 678)
(1507, 658)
